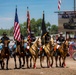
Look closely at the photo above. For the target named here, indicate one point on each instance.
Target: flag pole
(28, 24)
(27, 21)
(27, 8)
(16, 6)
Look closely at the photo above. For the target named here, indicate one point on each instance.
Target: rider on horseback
(4, 38)
(5, 51)
(59, 40)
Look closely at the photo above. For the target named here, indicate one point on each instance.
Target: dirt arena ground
(69, 70)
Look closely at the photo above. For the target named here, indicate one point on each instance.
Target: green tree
(54, 29)
(35, 27)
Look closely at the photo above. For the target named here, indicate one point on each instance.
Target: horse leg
(63, 64)
(48, 61)
(2, 64)
(31, 62)
(27, 57)
(34, 60)
(23, 61)
(41, 61)
(52, 61)
(56, 58)
(19, 62)
(7, 63)
(64, 61)
(60, 61)
(15, 61)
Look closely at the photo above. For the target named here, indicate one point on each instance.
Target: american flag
(59, 4)
(17, 34)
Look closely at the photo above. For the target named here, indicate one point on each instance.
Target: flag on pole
(17, 34)
(59, 4)
(43, 27)
(28, 22)
(28, 25)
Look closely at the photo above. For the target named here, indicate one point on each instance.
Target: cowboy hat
(4, 33)
(61, 32)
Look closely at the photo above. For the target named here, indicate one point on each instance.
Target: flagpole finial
(16, 6)
(43, 12)
(27, 8)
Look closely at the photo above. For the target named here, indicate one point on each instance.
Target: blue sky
(36, 7)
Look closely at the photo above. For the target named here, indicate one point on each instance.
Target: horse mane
(64, 45)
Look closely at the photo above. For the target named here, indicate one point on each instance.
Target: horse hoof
(22, 65)
(6, 68)
(2, 67)
(15, 68)
(60, 65)
(64, 66)
(51, 65)
(27, 67)
(41, 66)
(19, 67)
(30, 65)
(34, 67)
(56, 65)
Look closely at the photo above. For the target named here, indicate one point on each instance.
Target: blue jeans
(1, 47)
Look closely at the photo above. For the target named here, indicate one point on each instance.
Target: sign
(67, 21)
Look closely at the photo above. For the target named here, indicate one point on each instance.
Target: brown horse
(62, 53)
(28, 56)
(48, 50)
(5, 53)
(1, 61)
(20, 52)
(34, 51)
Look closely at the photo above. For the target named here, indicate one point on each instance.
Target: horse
(48, 50)
(5, 53)
(33, 49)
(62, 53)
(1, 61)
(28, 55)
(20, 52)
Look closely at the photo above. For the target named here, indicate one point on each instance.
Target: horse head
(37, 43)
(6, 42)
(22, 43)
(65, 45)
(5, 51)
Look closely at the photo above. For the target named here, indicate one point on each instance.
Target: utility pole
(74, 5)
